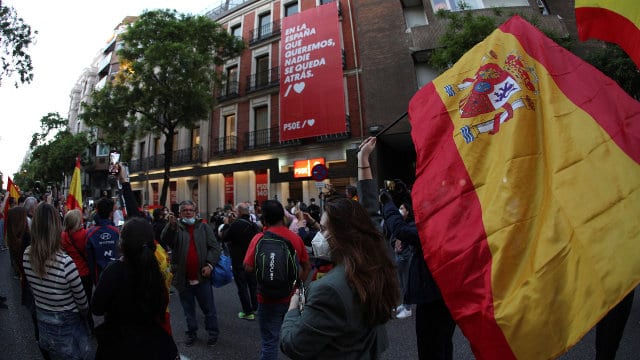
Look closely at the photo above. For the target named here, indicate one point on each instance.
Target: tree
(51, 157)
(15, 38)
(166, 79)
(465, 30)
(614, 62)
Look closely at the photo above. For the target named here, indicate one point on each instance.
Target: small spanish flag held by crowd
(527, 193)
(74, 199)
(616, 21)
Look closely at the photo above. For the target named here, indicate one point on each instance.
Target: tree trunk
(168, 161)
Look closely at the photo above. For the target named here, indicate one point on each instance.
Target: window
(264, 25)
(262, 70)
(141, 152)
(102, 150)
(475, 4)
(322, 2)
(195, 137)
(229, 132)
(156, 146)
(261, 126)
(232, 80)
(414, 15)
(290, 8)
(236, 30)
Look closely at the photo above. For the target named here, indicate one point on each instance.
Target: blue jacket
(102, 246)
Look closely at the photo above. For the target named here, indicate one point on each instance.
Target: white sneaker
(403, 314)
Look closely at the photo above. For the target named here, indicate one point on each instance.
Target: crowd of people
(321, 282)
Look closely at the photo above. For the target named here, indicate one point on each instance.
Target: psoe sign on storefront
(302, 168)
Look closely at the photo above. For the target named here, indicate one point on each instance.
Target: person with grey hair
(30, 204)
(195, 253)
(238, 236)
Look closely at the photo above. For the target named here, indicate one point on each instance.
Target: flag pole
(391, 124)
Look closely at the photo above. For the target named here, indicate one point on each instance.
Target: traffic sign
(319, 172)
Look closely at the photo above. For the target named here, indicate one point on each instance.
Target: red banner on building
(228, 188)
(311, 83)
(173, 193)
(262, 186)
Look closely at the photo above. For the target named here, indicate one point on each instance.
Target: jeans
(204, 294)
(403, 262)
(64, 334)
(246, 284)
(270, 318)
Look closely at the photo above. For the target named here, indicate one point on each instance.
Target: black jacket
(421, 287)
(238, 236)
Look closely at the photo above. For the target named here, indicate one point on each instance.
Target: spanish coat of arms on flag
(527, 193)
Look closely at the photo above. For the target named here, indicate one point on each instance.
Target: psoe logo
(492, 95)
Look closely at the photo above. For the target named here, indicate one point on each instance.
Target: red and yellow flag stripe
(616, 21)
(527, 168)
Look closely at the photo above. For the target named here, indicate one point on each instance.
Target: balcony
(229, 90)
(339, 136)
(223, 146)
(180, 157)
(266, 138)
(263, 79)
(264, 32)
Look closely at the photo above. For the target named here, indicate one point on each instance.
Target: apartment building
(290, 101)
(257, 143)
(101, 70)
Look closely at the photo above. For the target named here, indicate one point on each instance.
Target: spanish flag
(13, 192)
(74, 199)
(527, 193)
(616, 21)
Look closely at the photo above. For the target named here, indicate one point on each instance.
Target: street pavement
(240, 339)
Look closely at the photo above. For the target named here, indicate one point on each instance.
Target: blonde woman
(61, 303)
(74, 242)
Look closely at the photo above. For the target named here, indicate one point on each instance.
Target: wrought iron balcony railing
(264, 32)
(265, 138)
(229, 89)
(263, 79)
(223, 145)
(180, 157)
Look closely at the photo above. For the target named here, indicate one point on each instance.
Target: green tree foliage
(464, 31)
(614, 62)
(15, 38)
(166, 81)
(52, 155)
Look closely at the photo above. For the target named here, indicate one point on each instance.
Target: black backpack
(276, 267)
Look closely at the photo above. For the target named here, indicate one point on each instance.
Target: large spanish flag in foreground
(527, 193)
(74, 199)
(616, 21)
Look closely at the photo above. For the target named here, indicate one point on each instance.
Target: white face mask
(189, 221)
(321, 247)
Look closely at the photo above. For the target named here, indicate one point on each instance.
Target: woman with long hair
(74, 242)
(18, 237)
(345, 310)
(60, 300)
(132, 296)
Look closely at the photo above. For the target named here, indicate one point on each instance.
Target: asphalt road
(240, 339)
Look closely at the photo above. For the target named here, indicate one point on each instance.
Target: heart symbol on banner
(311, 122)
(298, 87)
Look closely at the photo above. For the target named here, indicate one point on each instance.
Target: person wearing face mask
(195, 253)
(345, 312)
(403, 253)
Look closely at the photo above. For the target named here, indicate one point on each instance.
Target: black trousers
(434, 331)
(609, 330)
(246, 284)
